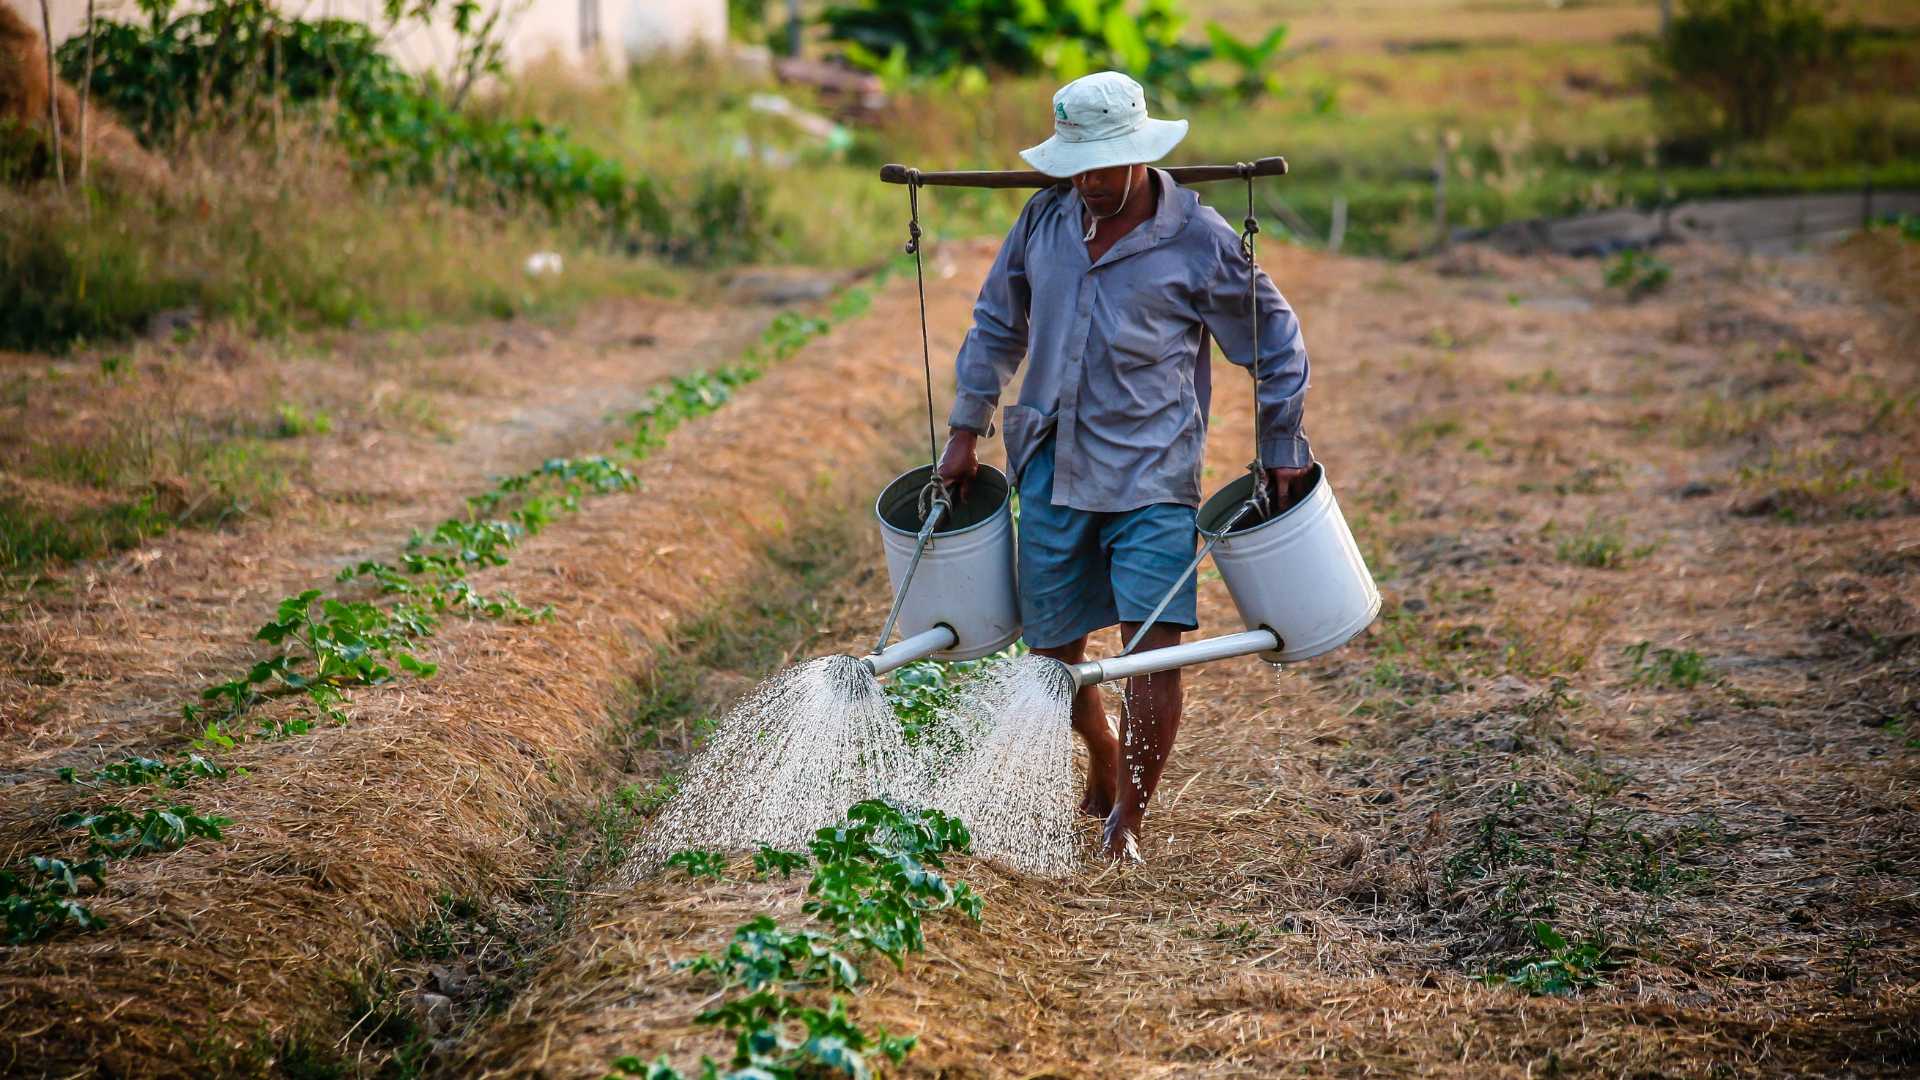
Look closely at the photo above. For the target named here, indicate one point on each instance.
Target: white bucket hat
(1101, 120)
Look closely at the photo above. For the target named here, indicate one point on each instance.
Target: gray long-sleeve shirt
(1118, 367)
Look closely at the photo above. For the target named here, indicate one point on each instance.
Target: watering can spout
(907, 650)
(1173, 656)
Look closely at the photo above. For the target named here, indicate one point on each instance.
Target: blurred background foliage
(312, 182)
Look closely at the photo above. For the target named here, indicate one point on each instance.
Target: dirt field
(1544, 475)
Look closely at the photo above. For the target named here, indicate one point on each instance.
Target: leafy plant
(1564, 969)
(135, 770)
(39, 900)
(1682, 669)
(115, 832)
(768, 861)
(875, 875)
(700, 864)
(1065, 40)
(1638, 273)
(1753, 60)
(1252, 58)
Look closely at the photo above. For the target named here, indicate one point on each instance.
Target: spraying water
(1004, 765)
(788, 760)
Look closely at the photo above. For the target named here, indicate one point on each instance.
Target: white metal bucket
(966, 578)
(1299, 574)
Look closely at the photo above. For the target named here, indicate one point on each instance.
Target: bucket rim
(917, 478)
(1221, 504)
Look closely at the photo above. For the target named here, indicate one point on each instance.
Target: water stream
(809, 742)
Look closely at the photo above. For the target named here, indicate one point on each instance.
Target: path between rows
(85, 666)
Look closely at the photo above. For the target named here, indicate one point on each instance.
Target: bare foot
(1098, 801)
(1121, 842)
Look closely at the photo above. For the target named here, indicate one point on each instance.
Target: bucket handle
(935, 505)
(1212, 539)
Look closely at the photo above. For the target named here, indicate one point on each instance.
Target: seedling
(1681, 669)
(134, 770)
(114, 832)
(768, 861)
(700, 864)
(39, 900)
(875, 875)
(1563, 970)
(1637, 272)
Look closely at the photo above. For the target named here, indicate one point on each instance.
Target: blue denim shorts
(1082, 571)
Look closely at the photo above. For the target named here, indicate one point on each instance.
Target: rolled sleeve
(973, 412)
(1283, 368)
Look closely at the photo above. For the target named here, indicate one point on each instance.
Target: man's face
(1103, 190)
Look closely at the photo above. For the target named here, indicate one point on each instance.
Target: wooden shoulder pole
(1185, 174)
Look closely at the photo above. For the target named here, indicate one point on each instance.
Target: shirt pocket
(1024, 428)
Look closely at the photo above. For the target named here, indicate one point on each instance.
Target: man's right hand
(959, 462)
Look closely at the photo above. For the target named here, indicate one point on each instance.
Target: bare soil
(1348, 858)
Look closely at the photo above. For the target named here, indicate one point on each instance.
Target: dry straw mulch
(1544, 476)
(219, 952)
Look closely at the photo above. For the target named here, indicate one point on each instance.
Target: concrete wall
(594, 34)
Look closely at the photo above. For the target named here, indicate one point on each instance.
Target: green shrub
(1753, 60)
(1638, 273)
(1021, 36)
(237, 61)
(67, 284)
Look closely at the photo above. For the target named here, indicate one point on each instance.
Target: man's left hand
(1289, 486)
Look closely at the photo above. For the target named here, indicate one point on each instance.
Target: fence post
(1440, 194)
(1337, 233)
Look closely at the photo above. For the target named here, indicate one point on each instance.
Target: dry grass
(416, 425)
(221, 953)
(1342, 851)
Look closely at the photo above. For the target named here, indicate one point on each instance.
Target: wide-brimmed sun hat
(1101, 120)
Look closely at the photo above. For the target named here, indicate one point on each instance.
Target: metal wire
(934, 505)
(920, 279)
(1249, 229)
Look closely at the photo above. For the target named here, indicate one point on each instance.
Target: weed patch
(1601, 546)
(1676, 669)
(1560, 967)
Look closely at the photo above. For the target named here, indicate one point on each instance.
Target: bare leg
(1148, 726)
(1090, 720)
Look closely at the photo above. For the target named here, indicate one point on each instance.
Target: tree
(1754, 60)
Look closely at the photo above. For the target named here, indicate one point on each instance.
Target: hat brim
(1152, 141)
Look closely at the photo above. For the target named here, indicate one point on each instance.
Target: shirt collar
(1169, 216)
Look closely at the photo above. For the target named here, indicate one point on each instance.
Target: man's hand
(959, 462)
(1288, 486)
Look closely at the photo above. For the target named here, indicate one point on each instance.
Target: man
(1112, 287)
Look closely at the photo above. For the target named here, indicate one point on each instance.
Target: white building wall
(601, 35)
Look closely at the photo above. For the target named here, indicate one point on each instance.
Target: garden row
(473, 763)
(326, 644)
